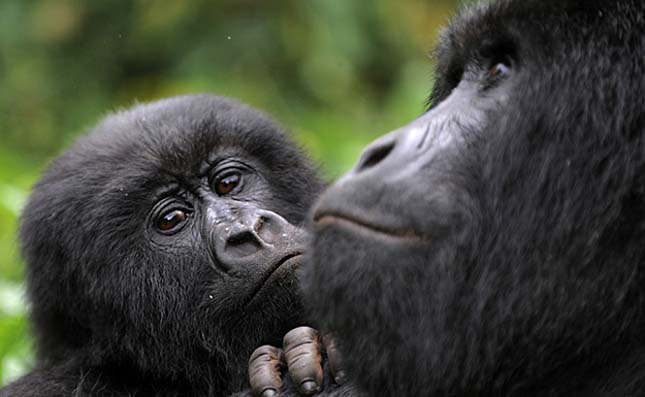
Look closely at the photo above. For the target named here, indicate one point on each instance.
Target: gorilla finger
(265, 371)
(335, 359)
(302, 352)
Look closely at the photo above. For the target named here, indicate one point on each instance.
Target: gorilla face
(494, 245)
(165, 242)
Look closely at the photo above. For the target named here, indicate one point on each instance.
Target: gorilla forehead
(172, 139)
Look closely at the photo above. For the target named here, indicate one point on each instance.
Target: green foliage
(337, 72)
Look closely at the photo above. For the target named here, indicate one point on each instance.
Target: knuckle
(299, 334)
(265, 353)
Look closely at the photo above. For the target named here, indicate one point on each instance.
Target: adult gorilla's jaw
(347, 267)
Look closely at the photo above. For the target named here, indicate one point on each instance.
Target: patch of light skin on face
(233, 217)
(441, 128)
(449, 124)
(211, 215)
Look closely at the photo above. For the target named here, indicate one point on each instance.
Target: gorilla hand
(302, 359)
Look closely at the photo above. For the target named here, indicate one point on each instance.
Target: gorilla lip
(267, 276)
(347, 222)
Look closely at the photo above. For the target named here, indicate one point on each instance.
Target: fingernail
(341, 377)
(309, 387)
(269, 393)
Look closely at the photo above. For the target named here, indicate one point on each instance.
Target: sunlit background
(337, 73)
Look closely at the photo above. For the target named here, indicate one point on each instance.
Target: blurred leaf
(12, 198)
(12, 301)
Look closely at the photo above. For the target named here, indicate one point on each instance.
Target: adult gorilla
(161, 251)
(496, 245)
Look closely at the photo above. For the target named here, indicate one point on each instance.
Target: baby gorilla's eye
(499, 69)
(172, 220)
(227, 183)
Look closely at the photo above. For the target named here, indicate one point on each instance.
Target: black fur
(118, 310)
(511, 260)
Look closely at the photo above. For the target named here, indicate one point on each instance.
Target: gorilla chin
(279, 277)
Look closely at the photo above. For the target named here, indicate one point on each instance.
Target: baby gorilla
(161, 250)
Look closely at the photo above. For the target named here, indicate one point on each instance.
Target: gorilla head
(161, 248)
(495, 246)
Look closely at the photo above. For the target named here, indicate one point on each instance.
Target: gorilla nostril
(375, 154)
(242, 244)
(269, 230)
(259, 224)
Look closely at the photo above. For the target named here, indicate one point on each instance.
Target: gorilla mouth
(266, 279)
(361, 226)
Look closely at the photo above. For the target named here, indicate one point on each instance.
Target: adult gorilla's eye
(499, 69)
(226, 184)
(171, 220)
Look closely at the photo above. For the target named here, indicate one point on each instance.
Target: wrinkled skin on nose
(245, 236)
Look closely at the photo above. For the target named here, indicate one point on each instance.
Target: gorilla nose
(376, 153)
(251, 236)
(242, 244)
(402, 147)
(255, 237)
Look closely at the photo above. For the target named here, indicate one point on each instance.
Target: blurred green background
(338, 73)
